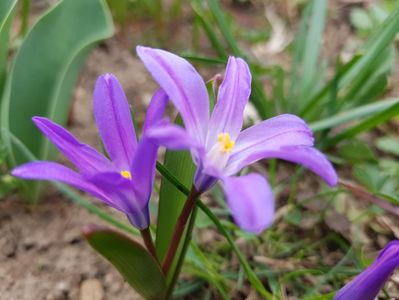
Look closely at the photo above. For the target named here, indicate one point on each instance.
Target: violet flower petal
(306, 156)
(45, 170)
(85, 158)
(286, 137)
(368, 283)
(184, 86)
(172, 137)
(114, 121)
(123, 192)
(233, 95)
(251, 201)
(155, 109)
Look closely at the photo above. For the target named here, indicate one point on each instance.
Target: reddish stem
(179, 229)
(147, 238)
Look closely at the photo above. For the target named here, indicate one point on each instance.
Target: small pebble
(91, 289)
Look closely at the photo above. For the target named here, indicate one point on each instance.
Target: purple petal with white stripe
(114, 121)
(184, 86)
(85, 158)
(233, 95)
(286, 137)
(45, 170)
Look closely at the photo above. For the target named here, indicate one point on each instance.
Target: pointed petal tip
(107, 79)
(39, 120)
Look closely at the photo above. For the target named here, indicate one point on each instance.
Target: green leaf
(131, 259)
(45, 69)
(361, 19)
(307, 48)
(171, 200)
(355, 114)
(7, 12)
(363, 65)
(370, 176)
(356, 151)
(388, 144)
(365, 125)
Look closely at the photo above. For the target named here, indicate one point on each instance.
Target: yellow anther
(225, 142)
(126, 174)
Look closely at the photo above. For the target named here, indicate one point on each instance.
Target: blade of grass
(258, 97)
(381, 39)
(209, 31)
(308, 49)
(353, 115)
(365, 125)
(7, 12)
(217, 13)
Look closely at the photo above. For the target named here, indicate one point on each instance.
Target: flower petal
(143, 170)
(123, 192)
(85, 158)
(367, 284)
(184, 86)
(306, 156)
(114, 121)
(233, 95)
(172, 137)
(268, 135)
(251, 201)
(44, 170)
(156, 109)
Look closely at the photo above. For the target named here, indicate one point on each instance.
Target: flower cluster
(219, 148)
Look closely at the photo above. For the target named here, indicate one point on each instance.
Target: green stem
(25, 17)
(147, 238)
(179, 229)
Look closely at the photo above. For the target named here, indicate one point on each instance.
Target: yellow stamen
(126, 174)
(226, 143)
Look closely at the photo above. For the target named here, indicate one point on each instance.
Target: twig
(364, 194)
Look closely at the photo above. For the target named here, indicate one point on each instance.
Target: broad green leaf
(7, 11)
(131, 259)
(171, 200)
(45, 69)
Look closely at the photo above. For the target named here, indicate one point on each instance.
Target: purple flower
(124, 182)
(367, 284)
(219, 147)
